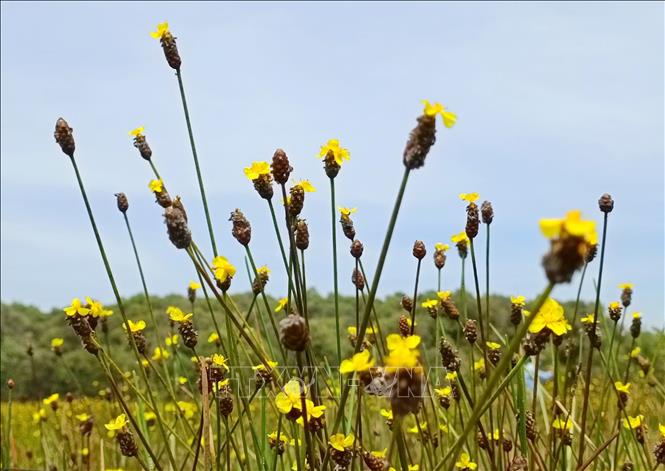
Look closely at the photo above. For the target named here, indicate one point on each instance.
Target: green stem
(587, 377)
(121, 308)
(196, 162)
(333, 229)
(415, 298)
(372, 295)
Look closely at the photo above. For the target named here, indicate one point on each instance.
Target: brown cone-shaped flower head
(123, 204)
(65, 137)
(281, 169)
(177, 228)
(357, 249)
(606, 203)
(419, 250)
(293, 333)
(487, 212)
(421, 139)
(302, 234)
(242, 230)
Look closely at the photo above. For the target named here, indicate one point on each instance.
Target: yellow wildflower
(76, 308)
(518, 300)
(162, 29)
(222, 268)
(346, 212)
(339, 442)
(397, 342)
(588, 319)
(443, 428)
(134, 326)
(39, 416)
(160, 354)
(193, 285)
(637, 315)
(156, 186)
(262, 367)
(444, 295)
(57, 342)
(451, 376)
(626, 286)
(137, 132)
(470, 197)
(182, 380)
(263, 271)
(444, 391)
(449, 118)
(171, 340)
(572, 224)
(633, 422)
(312, 412)
(380, 454)
(339, 153)
(281, 304)
(213, 337)
(388, 414)
(118, 423)
(615, 305)
(414, 467)
(282, 438)
(493, 345)
(429, 303)
(559, 424)
(51, 399)
(358, 363)
(85, 452)
(550, 316)
(82, 417)
(461, 237)
(621, 387)
(257, 169)
(441, 247)
(219, 360)
(635, 352)
(289, 397)
(306, 186)
(661, 429)
(176, 315)
(187, 408)
(479, 365)
(465, 462)
(414, 429)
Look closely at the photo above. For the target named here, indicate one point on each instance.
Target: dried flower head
(64, 136)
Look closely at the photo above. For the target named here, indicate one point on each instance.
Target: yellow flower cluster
(550, 316)
(256, 170)
(403, 352)
(432, 109)
(223, 269)
(339, 153)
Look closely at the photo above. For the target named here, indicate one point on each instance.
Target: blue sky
(557, 103)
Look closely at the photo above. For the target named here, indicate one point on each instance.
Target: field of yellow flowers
(442, 388)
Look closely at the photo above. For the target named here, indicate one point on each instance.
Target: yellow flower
(470, 197)
(493, 345)
(219, 360)
(443, 428)
(118, 423)
(550, 316)
(339, 442)
(85, 452)
(289, 397)
(465, 462)
(257, 169)
(397, 342)
(388, 414)
(312, 412)
(559, 424)
(635, 352)
(615, 305)
(156, 186)
(358, 363)
(193, 285)
(39, 416)
(162, 29)
(187, 408)
(442, 392)
(621, 387)
(97, 308)
(176, 315)
(160, 354)
(414, 429)
(82, 417)
(172, 340)
(149, 415)
(380, 454)
(461, 237)
(137, 132)
(346, 212)
(449, 118)
(51, 399)
(281, 304)
(213, 337)
(626, 286)
(339, 153)
(223, 269)
(429, 303)
(263, 271)
(479, 365)
(661, 429)
(588, 319)
(182, 380)
(518, 300)
(76, 308)
(352, 330)
(444, 295)
(441, 247)
(282, 438)
(262, 367)
(451, 376)
(637, 315)
(134, 326)
(414, 467)
(57, 342)
(306, 186)
(572, 224)
(633, 422)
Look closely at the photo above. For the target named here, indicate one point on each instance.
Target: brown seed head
(176, 227)
(419, 250)
(65, 137)
(123, 204)
(421, 139)
(302, 234)
(281, 169)
(141, 144)
(487, 212)
(356, 249)
(293, 333)
(472, 220)
(11, 384)
(171, 51)
(606, 203)
(242, 230)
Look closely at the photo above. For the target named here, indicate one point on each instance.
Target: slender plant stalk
(333, 229)
(196, 162)
(415, 298)
(587, 376)
(121, 308)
